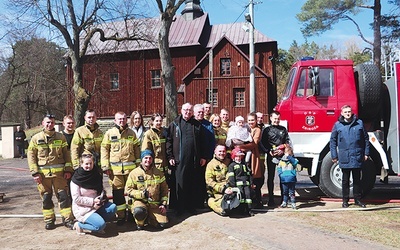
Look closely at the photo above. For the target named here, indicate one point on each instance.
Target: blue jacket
(286, 169)
(209, 138)
(352, 142)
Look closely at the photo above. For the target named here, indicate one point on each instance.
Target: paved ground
(21, 225)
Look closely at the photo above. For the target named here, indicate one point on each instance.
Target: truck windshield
(289, 84)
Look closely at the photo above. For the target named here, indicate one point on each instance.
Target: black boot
(360, 204)
(50, 225)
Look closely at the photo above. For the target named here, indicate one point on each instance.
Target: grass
(382, 226)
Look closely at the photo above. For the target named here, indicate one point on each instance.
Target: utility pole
(251, 55)
(211, 79)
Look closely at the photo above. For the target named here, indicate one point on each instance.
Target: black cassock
(189, 175)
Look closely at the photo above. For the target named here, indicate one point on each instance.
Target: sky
(277, 19)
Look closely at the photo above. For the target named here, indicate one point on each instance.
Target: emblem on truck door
(310, 120)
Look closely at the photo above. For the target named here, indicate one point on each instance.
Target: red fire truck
(310, 105)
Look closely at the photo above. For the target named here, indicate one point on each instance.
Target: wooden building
(126, 76)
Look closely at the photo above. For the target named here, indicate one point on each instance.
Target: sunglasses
(87, 155)
(50, 116)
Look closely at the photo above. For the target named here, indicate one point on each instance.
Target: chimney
(192, 10)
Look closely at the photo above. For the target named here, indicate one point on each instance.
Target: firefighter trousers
(61, 190)
(154, 215)
(117, 183)
(215, 203)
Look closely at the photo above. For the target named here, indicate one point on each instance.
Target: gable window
(225, 66)
(155, 78)
(214, 98)
(114, 81)
(238, 97)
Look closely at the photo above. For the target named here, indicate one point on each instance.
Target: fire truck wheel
(330, 179)
(369, 89)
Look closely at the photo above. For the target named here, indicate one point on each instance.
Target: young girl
(239, 134)
(287, 174)
(89, 204)
(239, 175)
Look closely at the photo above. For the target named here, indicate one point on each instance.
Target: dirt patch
(316, 224)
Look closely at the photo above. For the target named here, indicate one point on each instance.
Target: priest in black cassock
(186, 155)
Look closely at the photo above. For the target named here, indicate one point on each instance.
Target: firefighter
(120, 154)
(50, 165)
(154, 139)
(87, 139)
(216, 179)
(149, 190)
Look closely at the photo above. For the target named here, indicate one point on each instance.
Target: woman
(137, 125)
(257, 165)
(154, 139)
(220, 133)
(89, 202)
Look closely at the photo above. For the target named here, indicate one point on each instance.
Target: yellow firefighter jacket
(85, 141)
(153, 181)
(155, 140)
(216, 179)
(48, 154)
(120, 151)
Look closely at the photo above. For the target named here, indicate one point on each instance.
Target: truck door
(315, 111)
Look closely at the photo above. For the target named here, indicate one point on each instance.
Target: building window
(114, 81)
(155, 78)
(225, 66)
(238, 97)
(214, 100)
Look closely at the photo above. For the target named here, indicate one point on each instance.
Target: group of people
(198, 159)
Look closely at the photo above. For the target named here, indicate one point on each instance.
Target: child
(239, 134)
(287, 174)
(239, 175)
(89, 202)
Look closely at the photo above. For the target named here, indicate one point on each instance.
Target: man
(69, 129)
(208, 129)
(207, 110)
(50, 165)
(225, 123)
(351, 140)
(186, 156)
(149, 190)
(260, 122)
(87, 140)
(216, 179)
(20, 137)
(208, 142)
(272, 137)
(120, 154)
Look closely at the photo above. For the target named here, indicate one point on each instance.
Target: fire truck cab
(311, 104)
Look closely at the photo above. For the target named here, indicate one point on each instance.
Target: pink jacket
(82, 201)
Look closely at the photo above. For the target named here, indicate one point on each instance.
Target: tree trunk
(168, 69)
(81, 96)
(377, 33)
